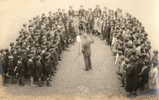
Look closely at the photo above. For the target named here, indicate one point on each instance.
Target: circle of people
(36, 52)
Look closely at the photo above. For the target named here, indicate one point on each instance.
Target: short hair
(155, 51)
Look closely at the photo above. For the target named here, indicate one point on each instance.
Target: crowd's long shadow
(29, 91)
(50, 91)
(34, 91)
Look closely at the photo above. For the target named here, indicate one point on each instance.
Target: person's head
(59, 10)
(11, 44)
(155, 52)
(70, 7)
(81, 7)
(90, 9)
(105, 8)
(50, 13)
(97, 6)
(63, 11)
(1, 52)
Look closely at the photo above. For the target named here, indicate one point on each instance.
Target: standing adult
(81, 12)
(97, 11)
(1, 57)
(90, 21)
(85, 47)
(154, 72)
(153, 78)
(71, 12)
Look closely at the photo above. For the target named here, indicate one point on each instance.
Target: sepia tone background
(15, 12)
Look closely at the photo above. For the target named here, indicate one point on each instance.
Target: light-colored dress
(154, 78)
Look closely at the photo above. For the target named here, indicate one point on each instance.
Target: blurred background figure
(154, 72)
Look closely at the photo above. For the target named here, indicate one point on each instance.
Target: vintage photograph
(79, 49)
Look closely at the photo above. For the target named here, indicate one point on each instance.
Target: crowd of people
(37, 50)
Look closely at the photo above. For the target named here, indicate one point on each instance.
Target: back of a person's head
(84, 35)
(80, 33)
(155, 52)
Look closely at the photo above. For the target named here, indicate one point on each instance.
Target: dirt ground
(72, 82)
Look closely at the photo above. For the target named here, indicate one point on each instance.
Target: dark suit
(81, 13)
(71, 12)
(86, 50)
(97, 12)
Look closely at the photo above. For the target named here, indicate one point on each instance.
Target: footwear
(86, 69)
(90, 68)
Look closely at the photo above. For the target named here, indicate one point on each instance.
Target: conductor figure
(85, 42)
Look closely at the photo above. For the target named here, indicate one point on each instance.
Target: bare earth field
(72, 82)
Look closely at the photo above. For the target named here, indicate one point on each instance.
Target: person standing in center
(85, 42)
